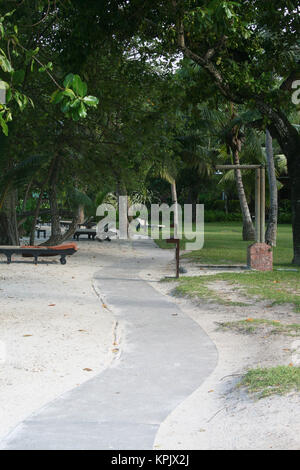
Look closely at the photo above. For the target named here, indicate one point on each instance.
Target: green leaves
(5, 63)
(91, 101)
(3, 125)
(72, 99)
(79, 86)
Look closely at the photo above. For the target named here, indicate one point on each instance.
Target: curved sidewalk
(165, 357)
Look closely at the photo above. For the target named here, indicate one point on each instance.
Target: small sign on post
(176, 242)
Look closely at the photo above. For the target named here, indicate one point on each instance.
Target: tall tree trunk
(9, 234)
(295, 199)
(248, 227)
(271, 232)
(39, 202)
(53, 199)
(121, 190)
(235, 143)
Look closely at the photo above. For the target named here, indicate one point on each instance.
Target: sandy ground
(52, 327)
(218, 415)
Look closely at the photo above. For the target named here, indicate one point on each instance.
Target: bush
(285, 212)
(219, 205)
(234, 206)
(221, 216)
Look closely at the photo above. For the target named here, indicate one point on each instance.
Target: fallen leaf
(250, 319)
(210, 391)
(116, 350)
(27, 336)
(82, 331)
(104, 305)
(88, 370)
(51, 305)
(291, 364)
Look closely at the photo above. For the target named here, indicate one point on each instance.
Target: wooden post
(262, 204)
(176, 241)
(257, 204)
(177, 258)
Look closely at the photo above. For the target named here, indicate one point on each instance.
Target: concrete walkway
(165, 357)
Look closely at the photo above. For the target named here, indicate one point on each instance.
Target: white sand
(42, 366)
(48, 347)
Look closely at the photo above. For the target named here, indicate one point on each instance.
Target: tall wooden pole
(262, 205)
(257, 204)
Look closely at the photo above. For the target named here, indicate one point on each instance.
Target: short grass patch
(270, 381)
(253, 325)
(194, 287)
(278, 287)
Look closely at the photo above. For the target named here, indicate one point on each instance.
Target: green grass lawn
(224, 245)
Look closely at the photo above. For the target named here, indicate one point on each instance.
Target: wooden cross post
(260, 204)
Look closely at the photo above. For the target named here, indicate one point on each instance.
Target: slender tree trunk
(26, 197)
(53, 199)
(294, 172)
(122, 191)
(81, 214)
(295, 198)
(175, 202)
(236, 142)
(271, 232)
(248, 227)
(9, 234)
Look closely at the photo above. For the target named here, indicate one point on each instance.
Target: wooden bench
(37, 251)
(91, 233)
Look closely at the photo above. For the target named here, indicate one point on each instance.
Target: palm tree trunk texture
(248, 227)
